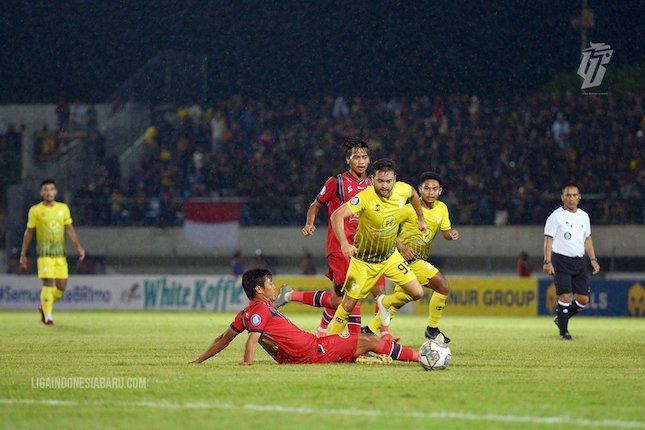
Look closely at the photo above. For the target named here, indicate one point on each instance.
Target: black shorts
(572, 275)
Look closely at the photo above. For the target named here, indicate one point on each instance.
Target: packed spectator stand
(503, 160)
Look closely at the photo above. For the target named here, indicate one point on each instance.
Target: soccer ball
(434, 355)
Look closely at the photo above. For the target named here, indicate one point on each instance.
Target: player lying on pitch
(287, 343)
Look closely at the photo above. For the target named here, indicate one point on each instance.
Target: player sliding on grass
(287, 343)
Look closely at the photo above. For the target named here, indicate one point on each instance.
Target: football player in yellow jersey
(50, 219)
(414, 246)
(373, 254)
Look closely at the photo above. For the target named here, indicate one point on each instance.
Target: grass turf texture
(506, 373)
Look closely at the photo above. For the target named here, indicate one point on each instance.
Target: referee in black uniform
(567, 237)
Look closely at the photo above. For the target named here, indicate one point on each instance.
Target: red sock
(396, 350)
(327, 316)
(354, 321)
(319, 299)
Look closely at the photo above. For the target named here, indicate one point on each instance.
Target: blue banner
(607, 298)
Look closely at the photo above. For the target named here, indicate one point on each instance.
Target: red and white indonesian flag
(212, 224)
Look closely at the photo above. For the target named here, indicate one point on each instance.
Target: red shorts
(335, 349)
(338, 265)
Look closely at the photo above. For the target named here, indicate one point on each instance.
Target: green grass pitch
(506, 373)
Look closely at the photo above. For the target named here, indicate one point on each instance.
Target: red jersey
(337, 190)
(281, 338)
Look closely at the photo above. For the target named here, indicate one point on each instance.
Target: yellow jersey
(378, 221)
(49, 222)
(436, 218)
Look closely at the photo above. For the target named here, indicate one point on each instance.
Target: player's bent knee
(583, 300)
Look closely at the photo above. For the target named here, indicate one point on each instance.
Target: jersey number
(403, 267)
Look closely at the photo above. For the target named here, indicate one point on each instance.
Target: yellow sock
(436, 306)
(57, 294)
(47, 300)
(396, 300)
(375, 324)
(339, 321)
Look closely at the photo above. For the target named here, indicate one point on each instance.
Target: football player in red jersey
(337, 190)
(286, 343)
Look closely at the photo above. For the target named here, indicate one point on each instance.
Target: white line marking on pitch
(349, 412)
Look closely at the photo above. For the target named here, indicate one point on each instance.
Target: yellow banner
(468, 296)
(487, 296)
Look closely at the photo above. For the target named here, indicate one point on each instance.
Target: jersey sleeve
(31, 218)
(409, 215)
(587, 226)
(258, 319)
(551, 226)
(238, 325)
(445, 218)
(67, 216)
(359, 201)
(327, 191)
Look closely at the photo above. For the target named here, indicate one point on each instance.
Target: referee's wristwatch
(547, 261)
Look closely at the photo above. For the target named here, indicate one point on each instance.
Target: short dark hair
(570, 184)
(355, 142)
(429, 175)
(384, 165)
(252, 278)
(48, 181)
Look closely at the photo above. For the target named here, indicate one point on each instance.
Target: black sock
(563, 317)
(574, 308)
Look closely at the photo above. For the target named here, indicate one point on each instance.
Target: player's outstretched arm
(312, 213)
(249, 349)
(589, 249)
(26, 241)
(548, 266)
(415, 201)
(338, 224)
(77, 244)
(220, 343)
(452, 234)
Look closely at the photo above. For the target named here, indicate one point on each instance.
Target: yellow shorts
(52, 268)
(362, 276)
(424, 271)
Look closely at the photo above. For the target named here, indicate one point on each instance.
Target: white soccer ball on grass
(434, 354)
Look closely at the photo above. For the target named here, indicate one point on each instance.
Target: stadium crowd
(503, 160)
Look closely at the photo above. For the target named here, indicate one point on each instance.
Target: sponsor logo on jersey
(323, 190)
(354, 201)
(344, 335)
(567, 235)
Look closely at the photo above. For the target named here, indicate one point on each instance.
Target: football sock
(375, 324)
(397, 351)
(574, 308)
(436, 307)
(339, 321)
(47, 301)
(354, 321)
(396, 300)
(319, 299)
(563, 316)
(327, 316)
(57, 293)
